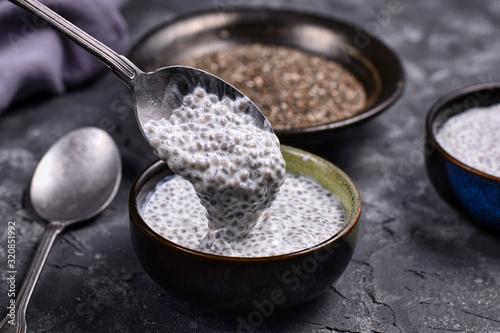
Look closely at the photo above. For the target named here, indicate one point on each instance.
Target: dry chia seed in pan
(293, 88)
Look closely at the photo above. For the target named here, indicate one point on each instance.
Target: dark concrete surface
(419, 265)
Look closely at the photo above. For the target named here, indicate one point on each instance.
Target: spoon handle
(120, 65)
(24, 295)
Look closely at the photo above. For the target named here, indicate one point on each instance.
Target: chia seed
(293, 88)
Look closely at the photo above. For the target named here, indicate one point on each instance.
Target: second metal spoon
(76, 179)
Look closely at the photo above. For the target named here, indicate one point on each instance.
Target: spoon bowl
(158, 93)
(77, 177)
(75, 180)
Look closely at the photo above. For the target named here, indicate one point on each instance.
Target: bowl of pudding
(463, 151)
(299, 247)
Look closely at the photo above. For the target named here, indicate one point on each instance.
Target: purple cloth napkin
(35, 58)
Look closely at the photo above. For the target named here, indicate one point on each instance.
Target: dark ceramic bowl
(375, 66)
(241, 283)
(470, 191)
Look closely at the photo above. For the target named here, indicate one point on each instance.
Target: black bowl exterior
(469, 191)
(375, 65)
(235, 283)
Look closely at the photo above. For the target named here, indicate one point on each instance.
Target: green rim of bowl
(299, 162)
(327, 175)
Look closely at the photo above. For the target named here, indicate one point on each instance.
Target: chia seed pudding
(304, 214)
(236, 168)
(473, 138)
(225, 198)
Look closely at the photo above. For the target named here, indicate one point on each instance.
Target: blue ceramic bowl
(468, 190)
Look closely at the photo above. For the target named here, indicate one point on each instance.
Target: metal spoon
(76, 179)
(156, 93)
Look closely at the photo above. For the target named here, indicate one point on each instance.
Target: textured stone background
(419, 266)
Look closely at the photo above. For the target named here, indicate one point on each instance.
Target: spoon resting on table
(75, 180)
(156, 94)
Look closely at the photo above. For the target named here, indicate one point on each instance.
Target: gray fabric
(34, 58)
